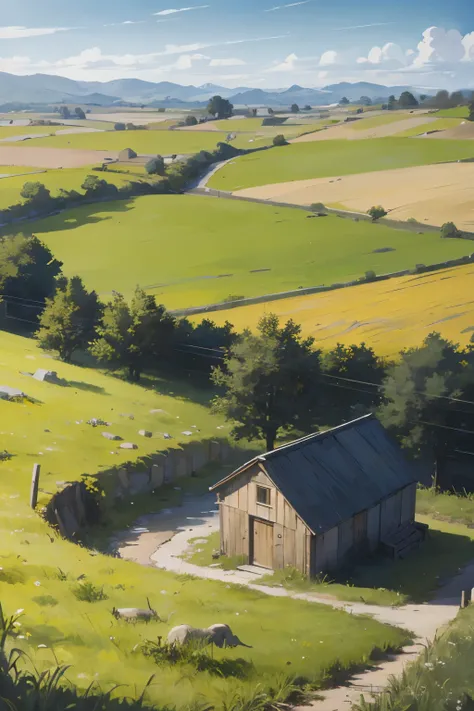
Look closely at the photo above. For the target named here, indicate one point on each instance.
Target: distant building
(127, 154)
(321, 501)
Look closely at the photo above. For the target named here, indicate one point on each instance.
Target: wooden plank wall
(390, 514)
(325, 552)
(234, 531)
(373, 528)
(408, 504)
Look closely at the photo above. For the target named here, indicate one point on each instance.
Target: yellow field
(388, 315)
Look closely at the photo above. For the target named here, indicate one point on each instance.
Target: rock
(158, 412)
(130, 417)
(128, 445)
(97, 422)
(8, 393)
(167, 436)
(145, 433)
(188, 433)
(47, 376)
(112, 437)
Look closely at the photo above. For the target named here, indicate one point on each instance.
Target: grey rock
(47, 376)
(145, 433)
(167, 436)
(112, 437)
(188, 433)
(128, 445)
(8, 393)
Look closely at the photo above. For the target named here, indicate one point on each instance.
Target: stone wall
(74, 508)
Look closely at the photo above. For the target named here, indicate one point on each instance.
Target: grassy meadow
(456, 112)
(300, 161)
(388, 117)
(225, 248)
(388, 315)
(54, 583)
(440, 124)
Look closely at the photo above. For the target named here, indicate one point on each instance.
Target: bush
(191, 120)
(370, 275)
(155, 166)
(87, 592)
(280, 140)
(376, 212)
(450, 231)
(120, 127)
(318, 207)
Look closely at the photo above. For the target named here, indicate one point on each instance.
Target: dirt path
(160, 539)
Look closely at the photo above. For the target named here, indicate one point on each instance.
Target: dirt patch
(208, 126)
(52, 157)
(465, 131)
(431, 194)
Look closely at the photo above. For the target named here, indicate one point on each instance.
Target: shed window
(263, 495)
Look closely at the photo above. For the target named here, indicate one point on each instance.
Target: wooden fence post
(35, 485)
(463, 599)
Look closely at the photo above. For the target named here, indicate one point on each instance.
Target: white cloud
(390, 53)
(18, 32)
(440, 45)
(288, 64)
(228, 62)
(468, 44)
(173, 11)
(291, 4)
(329, 57)
(186, 61)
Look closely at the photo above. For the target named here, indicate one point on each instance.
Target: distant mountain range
(43, 89)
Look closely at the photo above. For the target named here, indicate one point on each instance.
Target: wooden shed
(320, 501)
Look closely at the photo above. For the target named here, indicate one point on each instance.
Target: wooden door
(360, 531)
(262, 543)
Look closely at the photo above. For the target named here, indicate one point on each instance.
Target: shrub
(191, 120)
(88, 592)
(280, 140)
(376, 212)
(412, 221)
(120, 127)
(318, 207)
(370, 275)
(155, 166)
(450, 231)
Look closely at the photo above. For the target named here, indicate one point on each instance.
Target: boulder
(47, 376)
(112, 437)
(145, 433)
(8, 393)
(128, 445)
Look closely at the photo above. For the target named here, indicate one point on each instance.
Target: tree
(37, 270)
(307, 107)
(407, 100)
(133, 335)
(418, 407)
(344, 101)
(120, 127)
(65, 113)
(376, 212)
(155, 166)
(270, 382)
(69, 320)
(270, 112)
(423, 97)
(95, 187)
(365, 101)
(280, 140)
(36, 195)
(294, 109)
(346, 369)
(392, 103)
(471, 111)
(222, 108)
(80, 114)
(450, 231)
(191, 120)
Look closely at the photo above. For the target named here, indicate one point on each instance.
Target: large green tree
(423, 395)
(407, 100)
(133, 335)
(36, 269)
(270, 382)
(222, 108)
(69, 320)
(36, 195)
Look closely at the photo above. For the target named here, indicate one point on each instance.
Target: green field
(442, 124)
(40, 572)
(67, 179)
(142, 142)
(384, 119)
(320, 159)
(192, 250)
(456, 112)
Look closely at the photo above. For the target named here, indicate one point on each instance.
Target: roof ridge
(315, 435)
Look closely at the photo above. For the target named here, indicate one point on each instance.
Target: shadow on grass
(86, 387)
(424, 571)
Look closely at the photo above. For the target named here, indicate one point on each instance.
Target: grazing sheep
(133, 614)
(220, 635)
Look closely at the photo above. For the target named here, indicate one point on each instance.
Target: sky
(235, 43)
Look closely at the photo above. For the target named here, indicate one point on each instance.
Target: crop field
(389, 315)
(41, 574)
(226, 248)
(387, 117)
(11, 131)
(142, 142)
(25, 154)
(333, 158)
(456, 112)
(434, 124)
(443, 193)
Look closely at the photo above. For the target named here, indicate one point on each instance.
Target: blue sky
(264, 43)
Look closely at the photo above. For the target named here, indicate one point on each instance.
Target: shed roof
(331, 476)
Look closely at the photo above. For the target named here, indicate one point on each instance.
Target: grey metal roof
(330, 476)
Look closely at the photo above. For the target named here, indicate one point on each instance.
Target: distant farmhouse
(318, 502)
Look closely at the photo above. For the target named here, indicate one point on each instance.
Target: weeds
(88, 592)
